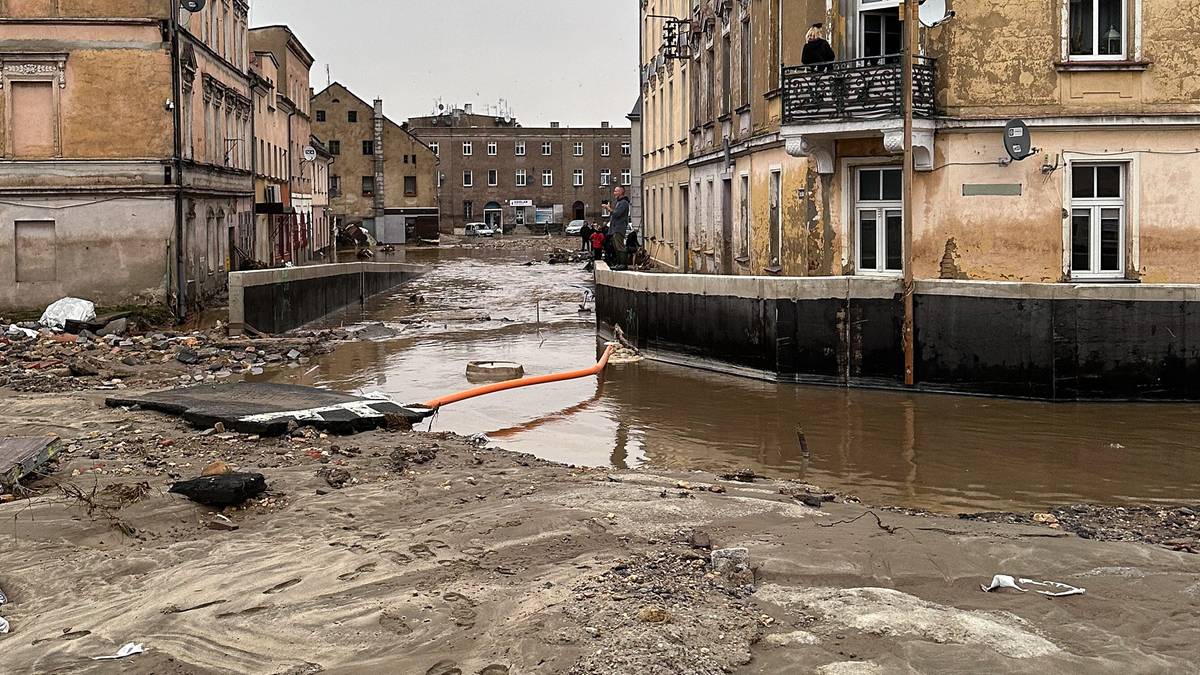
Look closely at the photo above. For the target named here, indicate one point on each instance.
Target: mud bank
(439, 556)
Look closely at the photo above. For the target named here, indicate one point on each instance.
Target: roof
(356, 97)
(293, 40)
(637, 111)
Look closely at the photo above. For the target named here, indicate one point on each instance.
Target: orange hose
(522, 382)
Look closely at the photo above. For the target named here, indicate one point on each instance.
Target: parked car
(480, 230)
(575, 228)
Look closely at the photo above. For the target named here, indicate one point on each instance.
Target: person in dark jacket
(585, 233)
(816, 49)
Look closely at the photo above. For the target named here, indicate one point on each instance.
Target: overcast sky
(571, 61)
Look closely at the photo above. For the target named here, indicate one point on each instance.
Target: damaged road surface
(268, 409)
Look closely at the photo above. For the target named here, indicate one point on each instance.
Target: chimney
(605, 125)
(380, 176)
(468, 107)
(554, 125)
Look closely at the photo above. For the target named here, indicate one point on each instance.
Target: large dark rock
(231, 489)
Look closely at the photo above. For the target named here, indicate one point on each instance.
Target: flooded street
(945, 453)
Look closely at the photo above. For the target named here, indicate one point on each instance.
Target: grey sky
(571, 61)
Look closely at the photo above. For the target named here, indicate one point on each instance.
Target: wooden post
(911, 33)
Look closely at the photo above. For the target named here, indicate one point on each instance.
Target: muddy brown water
(945, 453)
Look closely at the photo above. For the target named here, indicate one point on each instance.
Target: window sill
(774, 270)
(1101, 66)
(743, 110)
(743, 260)
(725, 118)
(1104, 280)
(709, 125)
(774, 93)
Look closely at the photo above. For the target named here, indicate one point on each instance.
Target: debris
(729, 559)
(1046, 519)
(114, 327)
(221, 523)
(21, 456)
(126, 650)
(653, 614)
(72, 309)
(217, 468)
(1004, 581)
(886, 528)
(230, 489)
(336, 478)
(4, 626)
(741, 476)
(700, 539)
(494, 371)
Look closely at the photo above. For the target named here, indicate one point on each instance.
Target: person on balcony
(817, 50)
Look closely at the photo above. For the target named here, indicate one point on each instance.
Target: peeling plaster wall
(158, 9)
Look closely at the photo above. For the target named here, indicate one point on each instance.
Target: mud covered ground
(438, 556)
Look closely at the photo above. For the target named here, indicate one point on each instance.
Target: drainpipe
(177, 167)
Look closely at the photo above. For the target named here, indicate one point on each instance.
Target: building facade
(105, 195)
(495, 171)
(382, 176)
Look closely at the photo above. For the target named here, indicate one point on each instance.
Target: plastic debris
(73, 309)
(126, 650)
(16, 331)
(1004, 581)
(3, 626)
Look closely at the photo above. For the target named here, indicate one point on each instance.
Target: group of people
(615, 243)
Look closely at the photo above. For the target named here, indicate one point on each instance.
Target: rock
(1045, 519)
(700, 539)
(217, 468)
(293, 355)
(1185, 511)
(727, 560)
(221, 523)
(219, 427)
(336, 478)
(83, 368)
(815, 501)
(653, 614)
(231, 489)
(187, 356)
(397, 422)
(592, 631)
(114, 327)
(742, 476)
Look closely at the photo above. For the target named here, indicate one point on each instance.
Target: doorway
(685, 213)
(880, 35)
(727, 226)
(879, 220)
(493, 215)
(580, 210)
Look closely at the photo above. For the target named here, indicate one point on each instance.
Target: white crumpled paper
(128, 649)
(1004, 581)
(56, 315)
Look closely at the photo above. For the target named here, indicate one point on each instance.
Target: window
(320, 115)
(774, 220)
(491, 149)
(410, 186)
(34, 119)
(625, 149)
(352, 116)
(547, 178)
(745, 215)
(547, 149)
(746, 72)
(604, 150)
(468, 148)
(579, 149)
(493, 177)
(335, 186)
(726, 74)
(468, 178)
(368, 147)
(436, 149)
(879, 217)
(1098, 220)
(468, 209)
(626, 177)
(1097, 29)
(577, 178)
(368, 186)
(881, 33)
(520, 152)
(522, 180)
(335, 147)
(520, 215)
(605, 177)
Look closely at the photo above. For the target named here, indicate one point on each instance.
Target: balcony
(869, 88)
(860, 98)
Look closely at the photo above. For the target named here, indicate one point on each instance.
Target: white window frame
(626, 148)
(520, 149)
(577, 178)
(522, 178)
(605, 177)
(436, 149)
(605, 150)
(1125, 30)
(578, 149)
(547, 177)
(468, 178)
(1130, 221)
(547, 148)
(491, 149)
(493, 177)
(468, 148)
(850, 249)
(626, 177)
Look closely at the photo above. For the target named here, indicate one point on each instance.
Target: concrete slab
(21, 456)
(267, 409)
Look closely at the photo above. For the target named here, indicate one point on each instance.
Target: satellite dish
(933, 13)
(310, 153)
(1017, 141)
(192, 5)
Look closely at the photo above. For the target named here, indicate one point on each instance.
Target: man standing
(618, 227)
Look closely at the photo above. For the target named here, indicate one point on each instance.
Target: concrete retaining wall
(279, 300)
(1048, 341)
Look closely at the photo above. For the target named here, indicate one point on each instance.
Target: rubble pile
(1176, 528)
(39, 359)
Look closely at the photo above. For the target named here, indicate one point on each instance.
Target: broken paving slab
(267, 408)
(20, 456)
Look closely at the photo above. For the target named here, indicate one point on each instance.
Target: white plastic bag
(57, 314)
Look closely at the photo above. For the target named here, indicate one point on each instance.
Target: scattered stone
(293, 355)
(741, 476)
(336, 478)
(727, 560)
(114, 327)
(217, 468)
(222, 523)
(700, 539)
(653, 614)
(187, 356)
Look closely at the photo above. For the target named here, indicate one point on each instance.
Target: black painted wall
(1018, 347)
(285, 306)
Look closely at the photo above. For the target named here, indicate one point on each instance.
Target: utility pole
(911, 33)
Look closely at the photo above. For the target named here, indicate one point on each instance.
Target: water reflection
(929, 451)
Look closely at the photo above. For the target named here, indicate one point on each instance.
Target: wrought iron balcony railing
(868, 88)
